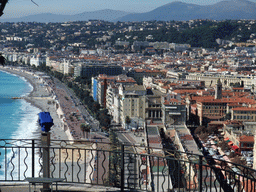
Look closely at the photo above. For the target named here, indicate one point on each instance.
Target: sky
(18, 8)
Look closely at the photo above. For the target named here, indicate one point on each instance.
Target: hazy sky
(17, 8)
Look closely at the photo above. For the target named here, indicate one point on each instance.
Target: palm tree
(127, 121)
(2, 60)
(85, 128)
(82, 127)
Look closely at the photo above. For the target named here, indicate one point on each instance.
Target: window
(250, 145)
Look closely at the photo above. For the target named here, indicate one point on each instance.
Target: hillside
(233, 9)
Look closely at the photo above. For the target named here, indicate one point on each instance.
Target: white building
(37, 60)
(68, 68)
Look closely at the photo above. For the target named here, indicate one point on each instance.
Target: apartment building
(153, 106)
(211, 79)
(173, 110)
(208, 108)
(113, 102)
(138, 74)
(101, 91)
(247, 114)
(37, 60)
(68, 67)
(238, 137)
(133, 101)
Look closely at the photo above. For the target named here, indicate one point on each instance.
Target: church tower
(218, 90)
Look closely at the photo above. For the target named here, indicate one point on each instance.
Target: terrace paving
(24, 187)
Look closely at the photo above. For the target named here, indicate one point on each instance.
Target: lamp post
(46, 122)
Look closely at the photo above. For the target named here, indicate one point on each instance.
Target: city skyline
(19, 8)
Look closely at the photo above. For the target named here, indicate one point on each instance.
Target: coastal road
(86, 115)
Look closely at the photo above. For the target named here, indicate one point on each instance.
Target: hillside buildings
(170, 85)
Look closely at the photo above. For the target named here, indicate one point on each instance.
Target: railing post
(33, 158)
(122, 167)
(46, 159)
(200, 177)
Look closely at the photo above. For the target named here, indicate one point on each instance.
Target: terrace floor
(24, 187)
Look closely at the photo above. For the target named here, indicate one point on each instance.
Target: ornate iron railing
(123, 166)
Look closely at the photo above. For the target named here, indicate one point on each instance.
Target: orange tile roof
(167, 102)
(185, 91)
(244, 109)
(246, 138)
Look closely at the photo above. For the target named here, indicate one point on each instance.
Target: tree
(204, 136)
(82, 127)
(235, 85)
(224, 146)
(200, 129)
(114, 159)
(228, 116)
(212, 129)
(85, 128)
(127, 121)
(232, 155)
(2, 60)
(70, 84)
(95, 106)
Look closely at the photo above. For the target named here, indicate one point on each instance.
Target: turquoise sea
(18, 118)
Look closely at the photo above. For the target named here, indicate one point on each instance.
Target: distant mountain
(106, 14)
(232, 9)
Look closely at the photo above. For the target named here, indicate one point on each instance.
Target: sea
(18, 120)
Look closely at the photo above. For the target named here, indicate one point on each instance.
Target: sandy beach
(77, 162)
(44, 96)
(41, 98)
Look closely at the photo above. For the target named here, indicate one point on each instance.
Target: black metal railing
(123, 166)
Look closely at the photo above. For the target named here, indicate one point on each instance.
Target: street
(86, 115)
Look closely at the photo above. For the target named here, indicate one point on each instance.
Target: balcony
(100, 166)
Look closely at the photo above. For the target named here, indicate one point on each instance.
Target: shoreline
(40, 98)
(19, 73)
